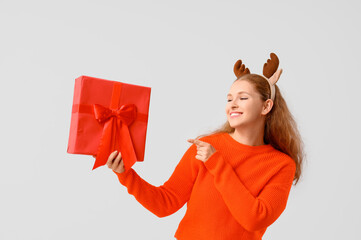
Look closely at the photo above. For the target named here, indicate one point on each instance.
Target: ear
(267, 107)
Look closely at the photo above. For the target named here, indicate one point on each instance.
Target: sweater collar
(244, 147)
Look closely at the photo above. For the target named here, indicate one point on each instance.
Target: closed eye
(241, 99)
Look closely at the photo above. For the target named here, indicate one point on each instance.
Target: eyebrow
(238, 93)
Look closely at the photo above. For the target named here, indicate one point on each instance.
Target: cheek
(254, 110)
(227, 108)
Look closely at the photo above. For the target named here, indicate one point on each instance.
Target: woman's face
(243, 100)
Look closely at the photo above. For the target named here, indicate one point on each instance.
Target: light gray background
(184, 51)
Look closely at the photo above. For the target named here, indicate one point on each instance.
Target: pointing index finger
(197, 142)
(200, 143)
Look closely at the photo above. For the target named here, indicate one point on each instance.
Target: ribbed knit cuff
(122, 176)
(211, 163)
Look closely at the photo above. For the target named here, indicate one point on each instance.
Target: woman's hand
(204, 149)
(115, 162)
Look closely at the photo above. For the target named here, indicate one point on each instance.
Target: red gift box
(108, 116)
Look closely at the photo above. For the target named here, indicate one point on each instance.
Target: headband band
(272, 87)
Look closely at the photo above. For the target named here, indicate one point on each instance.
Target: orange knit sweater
(236, 194)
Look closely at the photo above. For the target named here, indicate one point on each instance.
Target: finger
(120, 166)
(195, 141)
(111, 158)
(116, 161)
(199, 143)
(200, 152)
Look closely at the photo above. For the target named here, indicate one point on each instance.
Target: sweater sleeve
(253, 213)
(169, 197)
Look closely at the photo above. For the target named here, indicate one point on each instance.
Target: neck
(252, 136)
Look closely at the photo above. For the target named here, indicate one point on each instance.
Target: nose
(234, 105)
(234, 108)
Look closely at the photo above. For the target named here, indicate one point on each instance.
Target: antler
(240, 69)
(270, 68)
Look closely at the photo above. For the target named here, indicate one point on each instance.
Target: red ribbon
(115, 134)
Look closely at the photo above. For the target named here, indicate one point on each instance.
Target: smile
(235, 114)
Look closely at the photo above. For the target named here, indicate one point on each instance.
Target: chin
(234, 125)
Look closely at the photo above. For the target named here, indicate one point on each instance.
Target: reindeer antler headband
(270, 72)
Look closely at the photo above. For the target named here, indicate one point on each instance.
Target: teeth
(233, 114)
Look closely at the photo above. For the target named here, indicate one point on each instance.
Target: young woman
(235, 180)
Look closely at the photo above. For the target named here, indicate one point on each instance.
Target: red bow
(115, 134)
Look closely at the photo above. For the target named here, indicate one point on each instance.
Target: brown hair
(280, 127)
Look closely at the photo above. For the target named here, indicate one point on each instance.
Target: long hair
(281, 130)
